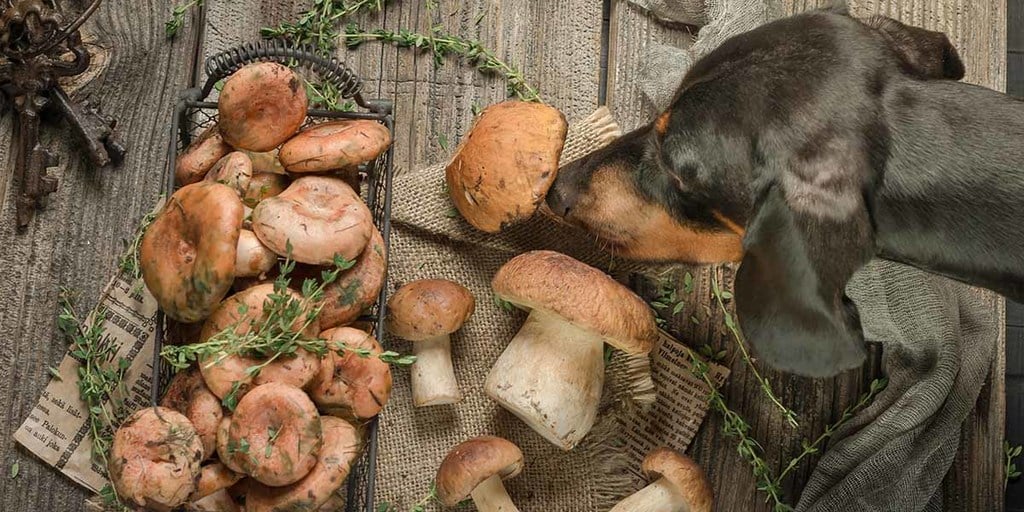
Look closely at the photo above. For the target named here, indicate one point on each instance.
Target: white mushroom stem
(433, 378)
(550, 376)
(490, 496)
(659, 496)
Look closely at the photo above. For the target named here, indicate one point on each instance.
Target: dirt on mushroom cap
(154, 459)
(349, 385)
(472, 462)
(580, 294)
(427, 308)
(275, 434)
(188, 253)
(335, 146)
(340, 448)
(261, 106)
(188, 394)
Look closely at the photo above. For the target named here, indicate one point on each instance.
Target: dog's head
(767, 155)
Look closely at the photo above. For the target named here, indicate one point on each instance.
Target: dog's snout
(560, 200)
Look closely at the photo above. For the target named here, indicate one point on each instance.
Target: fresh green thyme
(318, 26)
(15, 469)
(720, 297)
(173, 25)
(1011, 453)
(129, 263)
(98, 376)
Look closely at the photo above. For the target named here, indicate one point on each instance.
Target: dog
(803, 149)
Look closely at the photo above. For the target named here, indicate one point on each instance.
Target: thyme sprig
(129, 263)
(441, 46)
(730, 323)
(173, 25)
(318, 26)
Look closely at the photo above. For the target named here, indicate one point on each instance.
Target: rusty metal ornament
(36, 50)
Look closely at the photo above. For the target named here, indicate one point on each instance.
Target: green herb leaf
(15, 469)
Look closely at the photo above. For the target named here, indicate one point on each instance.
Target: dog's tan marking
(661, 125)
(728, 223)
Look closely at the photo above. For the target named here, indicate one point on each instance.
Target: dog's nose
(560, 200)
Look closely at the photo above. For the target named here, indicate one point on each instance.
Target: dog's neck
(952, 198)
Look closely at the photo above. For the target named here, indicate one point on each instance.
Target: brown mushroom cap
(188, 253)
(219, 501)
(340, 448)
(253, 258)
(214, 477)
(154, 459)
(265, 161)
(337, 145)
(428, 308)
(261, 106)
(264, 185)
(200, 156)
(234, 170)
(349, 385)
(581, 295)
(320, 216)
(225, 452)
(474, 461)
(685, 474)
(506, 163)
(357, 288)
(188, 394)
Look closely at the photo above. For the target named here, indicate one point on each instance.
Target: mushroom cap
(214, 477)
(263, 185)
(261, 106)
(154, 459)
(321, 217)
(349, 385)
(200, 156)
(224, 452)
(580, 294)
(188, 253)
(218, 501)
(253, 258)
(428, 308)
(356, 290)
(473, 461)
(188, 394)
(233, 170)
(341, 446)
(685, 474)
(265, 161)
(337, 145)
(506, 163)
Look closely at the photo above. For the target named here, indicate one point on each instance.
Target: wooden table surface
(558, 44)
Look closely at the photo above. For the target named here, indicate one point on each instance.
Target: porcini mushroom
(200, 156)
(253, 258)
(188, 253)
(678, 485)
(261, 106)
(154, 459)
(350, 385)
(188, 394)
(552, 372)
(476, 468)
(319, 217)
(234, 170)
(506, 163)
(427, 312)
(335, 146)
(356, 290)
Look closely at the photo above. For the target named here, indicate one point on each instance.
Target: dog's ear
(790, 287)
(923, 53)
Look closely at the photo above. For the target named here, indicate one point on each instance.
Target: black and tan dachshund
(805, 148)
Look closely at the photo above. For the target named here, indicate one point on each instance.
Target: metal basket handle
(330, 69)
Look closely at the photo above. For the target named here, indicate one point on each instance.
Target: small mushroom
(335, 146)
(506, 163)
(266, 161)
(319, 217)
(200, 156)
(225, 453)
(261, 106)
(677, 484)
(188, 394)
(234, 170)
(349, 385)
(476, 468)
(264, 185)
(356, 290)
(214, 477)
(253, 258)
(154, 459)
(341, 442)
(275, 434)
(220, 501)
(426, 312)
(188, 254)
(552, 372)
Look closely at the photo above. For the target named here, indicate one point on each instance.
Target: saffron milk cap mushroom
(356, 290)
(234, 170)
(427, 312)
(678, 484)
(505, 165)
(266, 161)
(188, 394)
(261, 106)
(200, 156)
(263, 185)
(350, 385)
(335, 146)
(319, 216)
(552, 372)
(253, 258)
(188, 254)
(476, 468)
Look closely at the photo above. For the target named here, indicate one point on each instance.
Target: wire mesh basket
(194, 113)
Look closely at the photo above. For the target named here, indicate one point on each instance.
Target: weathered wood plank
(75, 242)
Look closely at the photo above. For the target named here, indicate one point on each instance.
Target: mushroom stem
(433, 378)
(490, 496)
(659, 496)
(550, 376)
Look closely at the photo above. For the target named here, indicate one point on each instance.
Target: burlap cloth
(939, 336)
